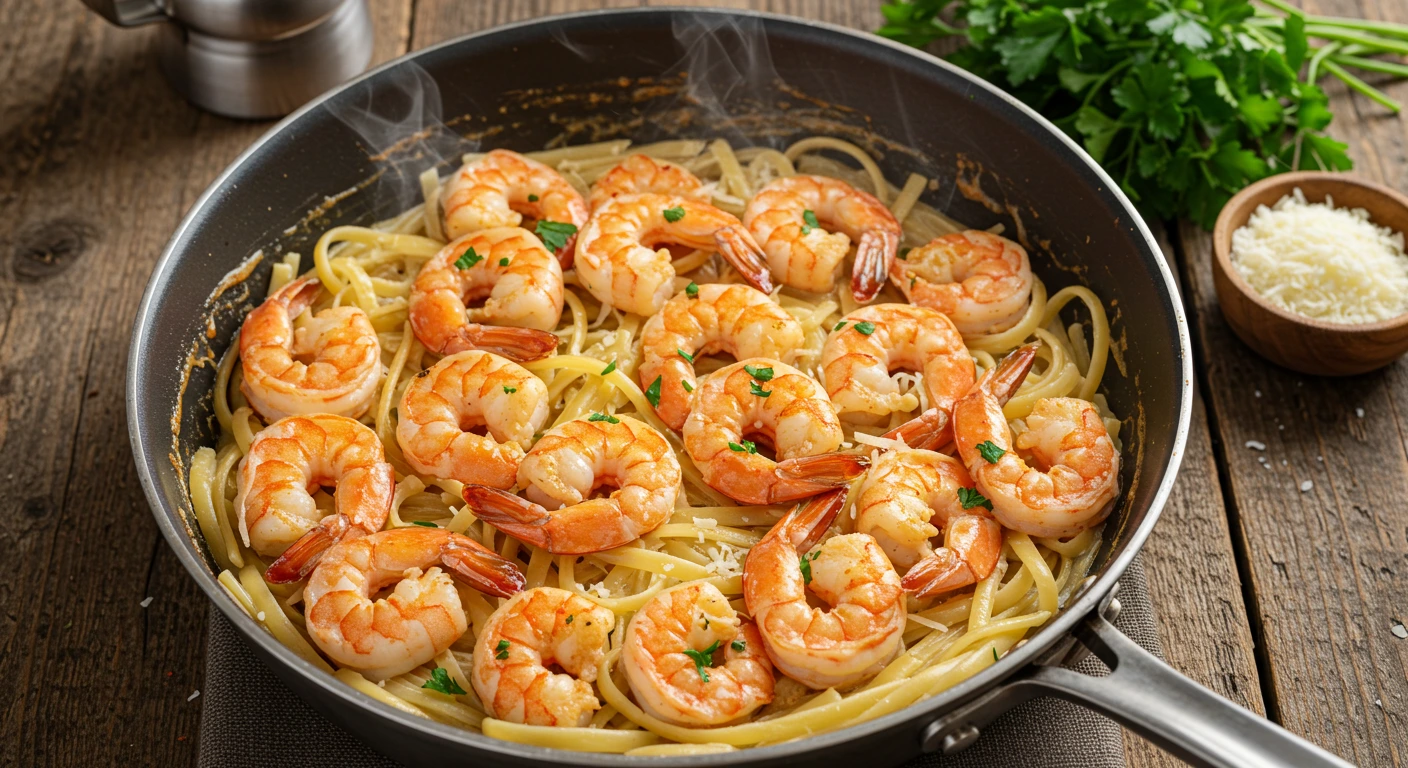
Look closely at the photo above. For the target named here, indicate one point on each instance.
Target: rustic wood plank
(1326, 564)
(98, 161)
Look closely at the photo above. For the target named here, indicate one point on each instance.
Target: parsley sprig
(1183, 101)
(554, 234)
(703, 659)
(441, 682)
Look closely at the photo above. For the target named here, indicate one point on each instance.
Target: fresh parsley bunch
(1183, 101)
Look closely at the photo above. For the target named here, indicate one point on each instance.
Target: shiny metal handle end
(128, 13)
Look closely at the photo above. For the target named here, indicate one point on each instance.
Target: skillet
(352, 157)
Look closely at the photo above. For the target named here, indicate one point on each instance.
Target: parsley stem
(1385, 28)
(1371, 65)
(1380, 44)
(1361, 86)
(1312, 71)
(1105, 78)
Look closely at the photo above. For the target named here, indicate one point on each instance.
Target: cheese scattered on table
(1326, 263)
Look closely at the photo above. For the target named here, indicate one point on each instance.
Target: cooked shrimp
(904, 492)
(983, 282)
(501, 188)
(562, 470)
(290, 460)
(519, 280)
(858, 632)
(537, 657)
(421, 616)
(1074, 475)
(736, 319)
(806, 225)
(461, 392)
(932, 430)
(329, 364)
(779, 405)
(873, 341)
(641, 173)
(619, 258)
(669, 657)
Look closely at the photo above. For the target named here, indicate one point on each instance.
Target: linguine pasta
(945, 641)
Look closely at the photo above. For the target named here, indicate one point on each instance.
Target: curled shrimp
(562, 470)
(329, 364)
(983, 282)
(621, 261)
(806, 225)
(669, 656)
(538, 655)
(520, 282)
(422, 615)
(736, 319)
(780, 406)
(501, 188)
(904, 493)
(291, 459)
(859, 630)
(443, 404)
(871, 342)
(1074, 475)
(642, 173)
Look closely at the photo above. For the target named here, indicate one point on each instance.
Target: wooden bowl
(1291, 340)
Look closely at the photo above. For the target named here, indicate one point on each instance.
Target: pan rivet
(960, 739)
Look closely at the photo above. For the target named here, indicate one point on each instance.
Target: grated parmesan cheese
(1322, 262)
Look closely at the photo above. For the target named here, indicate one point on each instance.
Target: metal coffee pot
(252, 58)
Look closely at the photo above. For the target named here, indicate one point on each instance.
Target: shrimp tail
(739, 250)
(874, 255)
(828, 470)
(1004, 380)
(521, 345)
(928, 431)
(299, 294)
(940, 572)
(807, 522)
(481, 568)
(514, 515)
(302, 556)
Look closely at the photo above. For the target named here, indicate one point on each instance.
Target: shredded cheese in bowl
(1322, 262)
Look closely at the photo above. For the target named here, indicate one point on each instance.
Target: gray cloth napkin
(250, 720)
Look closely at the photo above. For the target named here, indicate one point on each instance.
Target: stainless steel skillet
(755, 78)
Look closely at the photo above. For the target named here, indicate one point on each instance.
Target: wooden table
(1279, 599)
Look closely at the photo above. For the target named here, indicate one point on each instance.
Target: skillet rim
(166, 513)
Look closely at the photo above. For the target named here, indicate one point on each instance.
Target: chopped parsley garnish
(687, 386)
(424, 523)
(423, 374)
(839, 326)
(673, 215)
(806, 565)
(691, 290)
(609, 368)
(532, 198)
(809, 221)
(994, 654)
(509, 390)
(754, 389)
(503, 262)
(441, 682)
(554, 234)
(912, 281)
(570, 617)
(969, 498)
(991, 453)
(738, 645)
(702, 659)
(609, 419)
(761, 374)
(502, 650)
(468, 259)
(748, 446)
(688, 357)
(652, 392)
(864, 327)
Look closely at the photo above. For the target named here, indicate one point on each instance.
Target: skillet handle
(1154, 700)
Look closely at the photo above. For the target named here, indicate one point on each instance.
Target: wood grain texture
(1319, 516)
(98, 161)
